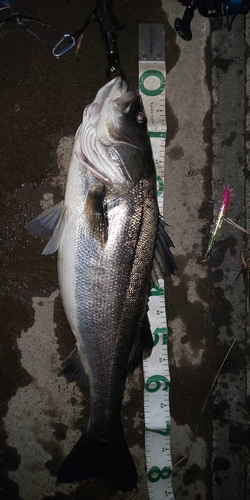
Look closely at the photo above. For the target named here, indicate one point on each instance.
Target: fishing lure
(221, 216)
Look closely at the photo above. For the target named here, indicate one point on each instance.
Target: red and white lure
(221, 216)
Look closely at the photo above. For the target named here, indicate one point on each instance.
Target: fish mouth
(124, 101)
(101, 134)
(113, 92)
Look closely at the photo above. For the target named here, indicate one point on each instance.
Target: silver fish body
(109, 238)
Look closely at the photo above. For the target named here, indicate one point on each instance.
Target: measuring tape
(152, 82)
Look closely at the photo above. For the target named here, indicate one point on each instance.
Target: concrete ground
(42, 100)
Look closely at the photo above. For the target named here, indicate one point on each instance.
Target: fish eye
(140, 117)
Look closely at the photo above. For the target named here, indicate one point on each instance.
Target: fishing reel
(210, 8)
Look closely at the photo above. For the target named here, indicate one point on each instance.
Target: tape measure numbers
(152, 84)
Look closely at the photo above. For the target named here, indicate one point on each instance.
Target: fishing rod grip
(109, 32)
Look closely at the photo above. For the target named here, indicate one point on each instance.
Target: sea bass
(112, 246)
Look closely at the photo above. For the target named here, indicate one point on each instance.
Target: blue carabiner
(71, 43)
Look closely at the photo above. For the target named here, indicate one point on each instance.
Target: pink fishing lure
(221, 216)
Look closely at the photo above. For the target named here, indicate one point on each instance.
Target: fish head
(115, 139)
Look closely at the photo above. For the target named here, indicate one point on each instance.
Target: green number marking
(156, 382)
(155, 473)
(156, 334)
(160, 185)
(162, 433)
(164, 338)
(147, 74)
(160, 135)
(168, 428)
(157, 290)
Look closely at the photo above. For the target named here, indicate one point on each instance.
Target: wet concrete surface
(209, 310)
(42, 100)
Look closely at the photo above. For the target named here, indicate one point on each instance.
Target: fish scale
(128, 216)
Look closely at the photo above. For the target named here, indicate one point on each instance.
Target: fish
(112, 249)
(224, 204)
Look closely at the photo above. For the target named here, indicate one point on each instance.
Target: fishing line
(205, 403)
(210, 391)
(237, 226)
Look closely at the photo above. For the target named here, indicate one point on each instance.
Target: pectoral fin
(44, 225)
(50, 223)
(96, 216)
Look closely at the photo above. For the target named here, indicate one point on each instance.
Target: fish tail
(109, 460)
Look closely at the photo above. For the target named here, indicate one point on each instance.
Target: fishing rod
(210, 8)
(109, 28)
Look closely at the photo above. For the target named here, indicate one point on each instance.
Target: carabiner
(71, 43)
